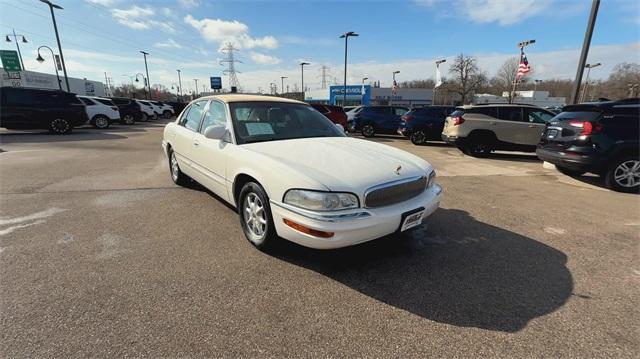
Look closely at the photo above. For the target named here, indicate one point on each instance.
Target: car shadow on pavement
(458, 271)
(514, 157)
(76, 135)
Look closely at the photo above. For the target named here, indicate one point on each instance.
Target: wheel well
(239, 182)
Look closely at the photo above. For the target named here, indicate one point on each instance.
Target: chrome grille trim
(394, 192)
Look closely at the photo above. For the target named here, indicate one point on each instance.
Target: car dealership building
(367, 95)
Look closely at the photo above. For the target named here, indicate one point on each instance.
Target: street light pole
(346, 43)
(393, 88)
(147, 71)
(179, 85)
(15, 38)
(586, 81)
(302, 77)
(282, 83)
(435, 85)
(521, 46)
(362, 90)
(585, 51)
(535, 84)
(53, 60)
(196, 91)
(55, 28)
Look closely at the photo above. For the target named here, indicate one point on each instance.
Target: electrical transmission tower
(231, 67)
(325, 70)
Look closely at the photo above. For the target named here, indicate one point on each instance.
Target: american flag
(394, 89)
(523, 67)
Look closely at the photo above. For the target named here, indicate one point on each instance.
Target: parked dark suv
(601, 138)
(130, 111)
(424, 124)
(377, 119)
(28, 108)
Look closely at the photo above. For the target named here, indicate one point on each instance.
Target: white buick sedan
(293, 174)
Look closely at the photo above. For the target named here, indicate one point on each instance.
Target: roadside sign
(10, 60)
(216, 83)
(58, 63)
(14, 75)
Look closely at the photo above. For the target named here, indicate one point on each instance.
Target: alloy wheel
(255, 217)
(418, 137)
(627, 174)
(367, 131)
(128, 119)
(59, 125)
(102, 122)
(175, 170)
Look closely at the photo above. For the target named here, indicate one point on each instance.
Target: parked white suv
(479, 129)
(165, 110)
(100, 111)
(148, 111)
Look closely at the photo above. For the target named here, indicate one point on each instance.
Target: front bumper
(361, 225)
(451, 140)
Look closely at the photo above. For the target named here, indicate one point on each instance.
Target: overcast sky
(274, 36)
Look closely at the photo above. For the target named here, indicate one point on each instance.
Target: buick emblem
(398, 170)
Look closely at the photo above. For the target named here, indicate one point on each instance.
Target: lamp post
(586, 81)
(15, 38)
(196, 90)
(394, 86)
(438, 80)
(345, 36)
(535, 84)
(272, 86)
(362, 90)
(40, 59)
(55, 28)
(521, 46)
(302, 77)
(585, 51)
(147, 71)
(282, 83)
(176, 87)
(179, 85)
(144, 81)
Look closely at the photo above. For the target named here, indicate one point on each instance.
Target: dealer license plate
(412, 220)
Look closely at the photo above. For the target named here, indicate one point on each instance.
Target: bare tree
(506, 75)
(466, 77)
(418, 84)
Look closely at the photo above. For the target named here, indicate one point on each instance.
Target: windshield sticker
(259, 128)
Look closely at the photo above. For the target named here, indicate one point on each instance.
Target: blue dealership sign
(354, 92)
(216, 83)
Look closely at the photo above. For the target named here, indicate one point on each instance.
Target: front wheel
(477, 148)
(177, 176)
(624, 174)
(255, 216)
(101, 122)
(60, 126)
(128, 120)
(368, 131)
(418, 138)
(144, 117)
(167, 114)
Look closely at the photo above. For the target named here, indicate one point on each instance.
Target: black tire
(264, 234)
(60, 126)
(144, 117)
(100, 122)
(177, 176)
(629, 183)
(155, 116)
(478, 146)
(128, 120)
(167, 114)
(418, 137)
(569, 172)
(368, 130)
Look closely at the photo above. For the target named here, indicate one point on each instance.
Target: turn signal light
(407, 118)
(457, 120)
(310, 231)
(587, 127)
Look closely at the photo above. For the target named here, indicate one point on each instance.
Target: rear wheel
(167, 114)
(624, 174)
(255, 216)
(128, 120)
(60, 126)
(144, 117)
(418, 137)
(100, 121)
(478, 147)
(368, 130)
(569, 172)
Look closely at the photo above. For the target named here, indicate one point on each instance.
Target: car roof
(498, 105)
(250, 98)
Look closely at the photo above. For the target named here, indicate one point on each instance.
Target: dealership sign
(216, 83)
(352, 91)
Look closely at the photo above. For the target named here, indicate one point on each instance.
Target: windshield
(269, 121)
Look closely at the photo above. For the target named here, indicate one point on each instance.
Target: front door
(536, 121)
(184, 136)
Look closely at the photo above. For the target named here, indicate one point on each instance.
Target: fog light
(310, 231)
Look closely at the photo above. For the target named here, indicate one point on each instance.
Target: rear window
(380, 110)
(121, 101)
(105, 102)
(577, 115)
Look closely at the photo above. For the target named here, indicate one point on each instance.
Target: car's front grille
(394, 192)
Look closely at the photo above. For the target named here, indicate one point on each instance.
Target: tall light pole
(53, 60)
(146, 68)
(438, 80)
(585, 51)
(282, 83)
(55, 28)
(196, 91)
(521, 46)
(362, 90)
(394, 87)
(302, 77)
(586, 81)
(144, 81)
(179, 85)
(272, 86)
(535, 84)
(15, 38)
(345, 36)
(176, 87)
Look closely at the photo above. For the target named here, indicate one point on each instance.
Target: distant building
(47, 81)
(409, 97)
(537, 98)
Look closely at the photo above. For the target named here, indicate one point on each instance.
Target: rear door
(510, 126)
(536, 120)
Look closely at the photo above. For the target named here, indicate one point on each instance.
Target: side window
(537, 116)
(192, 118)
(399, 111)
(215, 116)
(510, 114)
(484, 110)
(380, 110)
(86, 101)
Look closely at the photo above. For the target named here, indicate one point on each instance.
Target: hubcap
(128, 119)
(174, 167)
(60, 125)
(254, 217)
(418, 137)
(368, 130)
(627, 174)
(102, 122)
(480, 148)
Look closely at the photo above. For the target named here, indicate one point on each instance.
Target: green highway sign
(10, 60)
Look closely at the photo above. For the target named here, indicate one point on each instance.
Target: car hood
(343, 163)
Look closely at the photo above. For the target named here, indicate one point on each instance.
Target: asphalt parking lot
(102, 255)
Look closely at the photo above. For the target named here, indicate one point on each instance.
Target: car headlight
(321, 201)
(432, 179)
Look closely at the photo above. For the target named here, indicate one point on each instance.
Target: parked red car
(335, 113)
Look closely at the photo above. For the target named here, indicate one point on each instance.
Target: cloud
(189, 3)
(141, 18)
(264, 59)
(102, 2)
(169, 44)
(504, 12)
(222, 31)
(297, 40)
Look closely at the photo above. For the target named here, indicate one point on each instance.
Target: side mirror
(215, 132)
(340, 127)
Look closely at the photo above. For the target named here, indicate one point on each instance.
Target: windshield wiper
(262, 140)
